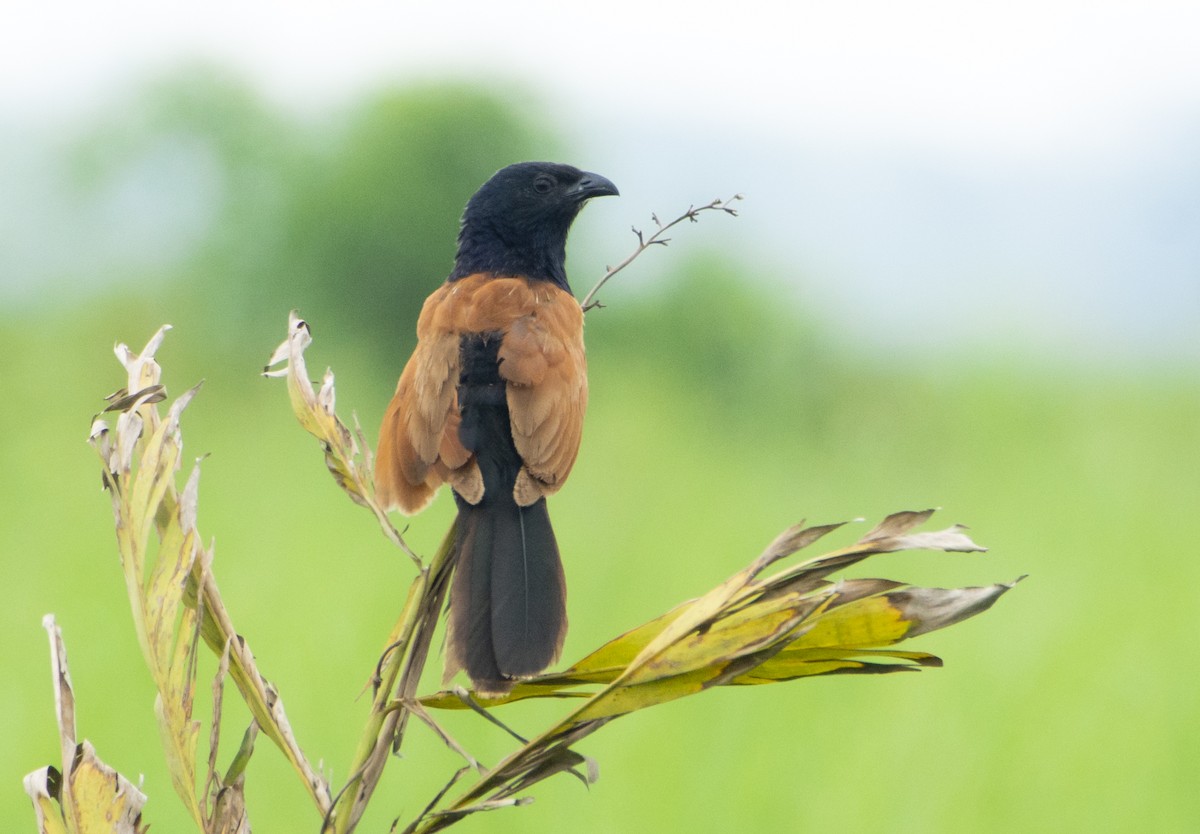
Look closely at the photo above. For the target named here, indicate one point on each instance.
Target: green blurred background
(719, 415)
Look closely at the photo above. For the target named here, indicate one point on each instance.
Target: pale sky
(1020, 76)
(1094, 106)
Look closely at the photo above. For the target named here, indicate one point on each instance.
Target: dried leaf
(212, 780)
(351, 469)
(44, 788)
(122, 400)
(92, 797)
(326, 397)
(172, 595)
(229, 810)
(929, 609)
(950, 539)
(179, 746)
(791, 664)
(897, 524)
(102, 800)
(797, 538)
(64, 692)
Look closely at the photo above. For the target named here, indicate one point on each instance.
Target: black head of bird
(517, 222)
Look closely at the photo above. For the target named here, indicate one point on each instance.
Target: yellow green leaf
(792, 663)
(102, 801)
(619, 652)
(872, 621)
(625, 699)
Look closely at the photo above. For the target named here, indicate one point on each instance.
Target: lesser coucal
(492, 402)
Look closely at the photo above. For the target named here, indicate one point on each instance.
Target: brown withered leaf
(929, 609)
(897, 524)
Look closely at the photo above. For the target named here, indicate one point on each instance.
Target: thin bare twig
(414, 706)
(462, 771)
(657, 239)
(473, 705)
(399, 671)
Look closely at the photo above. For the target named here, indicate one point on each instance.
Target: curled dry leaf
(344, 457)
(89, 795)
(44, 788)
(928, 609)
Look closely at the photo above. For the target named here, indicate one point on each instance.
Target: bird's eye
(543, 184)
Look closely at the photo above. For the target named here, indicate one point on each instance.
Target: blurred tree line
(351, 217)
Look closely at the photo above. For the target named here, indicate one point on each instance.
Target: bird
(492, 402)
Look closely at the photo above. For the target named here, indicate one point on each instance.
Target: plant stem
(404, 659)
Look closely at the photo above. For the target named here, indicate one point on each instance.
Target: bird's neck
(538, 256)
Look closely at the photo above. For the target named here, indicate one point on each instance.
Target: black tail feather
(508, 597)
(528, 592)
(469, 637)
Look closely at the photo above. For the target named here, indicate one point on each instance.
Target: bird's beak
(593, 185)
